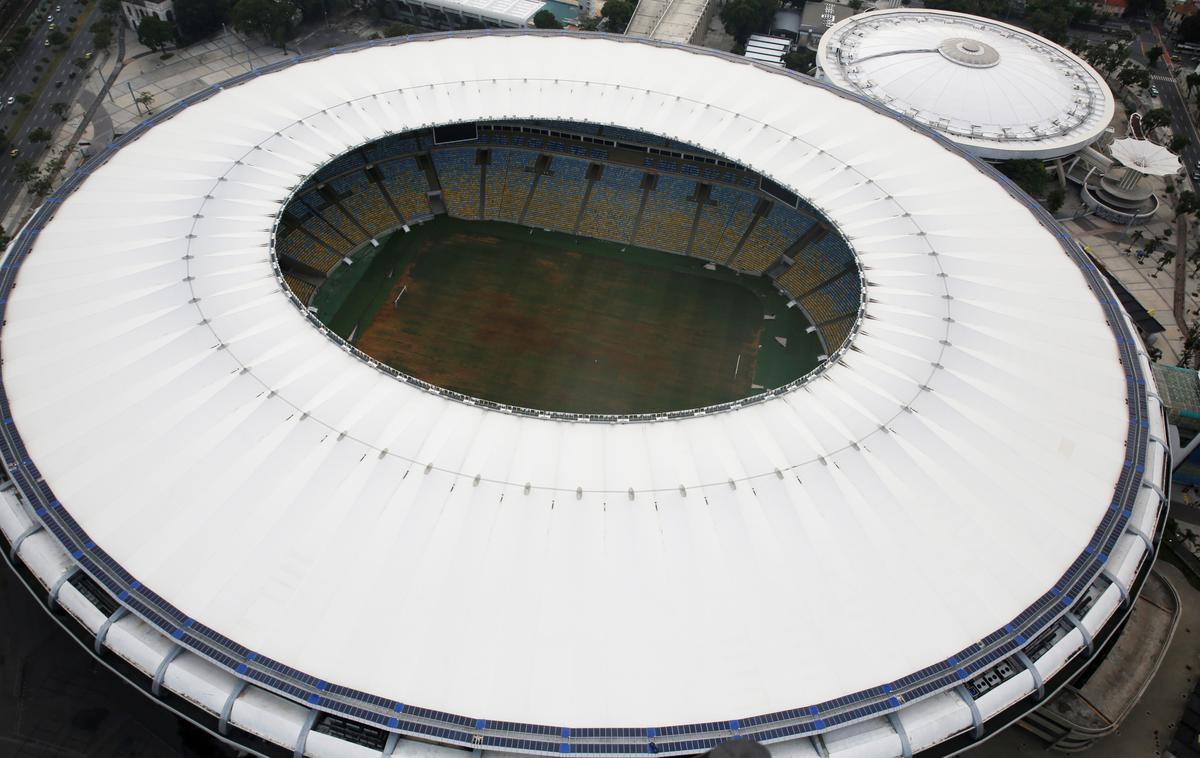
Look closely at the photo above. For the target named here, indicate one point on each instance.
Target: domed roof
(1001, 91)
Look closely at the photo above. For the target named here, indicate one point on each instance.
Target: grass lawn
(556, 322)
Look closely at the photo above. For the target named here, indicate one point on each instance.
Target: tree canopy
(745, 17)
(273, 20)
(1154, 118)
(1029, 174)
(616, 15)
(544, 19)
(197, 19)
(154, 33)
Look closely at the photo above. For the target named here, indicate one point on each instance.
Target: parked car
(11, 100)
(1153, 91)
(14, 153)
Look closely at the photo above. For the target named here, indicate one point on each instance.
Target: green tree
(590, 24)
(56, 38)
(197, 19)
(1055, 199)
(544, 19)
(25, 171)
(1178, 143)
(1028, 174)
(145, 98)
(745, 17)
(60, 109)
(801, 60)
(855, 5)
(154, 33)
(616, 15)
(273, 20)
(400, 30)
(102, 33)
(1153, 55)
(1192, 80)
(1133, 74)
(38, 135)
(110, 7)
(1189, 28)
(1154, 118)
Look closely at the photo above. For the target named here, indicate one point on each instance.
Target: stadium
(998, 90)
(245, 495)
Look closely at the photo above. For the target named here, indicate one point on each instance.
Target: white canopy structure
(1145, 157)
(970, 480)
(998, 90)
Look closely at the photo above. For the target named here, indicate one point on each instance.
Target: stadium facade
(1000, 91)
(311, 555)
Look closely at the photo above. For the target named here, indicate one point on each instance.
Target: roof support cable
(102, 632)
(976, 716)
(160, 672)
(905, 745)
(1087, 636)
(16, 543)
(1120, 587)
(302, 738)
(52, 597)
(1033, 671)
(393, 740)
(227, 709)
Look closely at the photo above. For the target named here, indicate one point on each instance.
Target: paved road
(1171, 96)
(19, 79)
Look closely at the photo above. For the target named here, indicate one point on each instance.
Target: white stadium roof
(913, 507)
(998, 90)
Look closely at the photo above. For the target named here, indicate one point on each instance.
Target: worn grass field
(556, 322)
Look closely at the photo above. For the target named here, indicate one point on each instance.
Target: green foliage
(60, 109)
(39, 135)
(102, 33)
(616, 15)
(110, 7)
(544, 19)
(273, 20)
(197, 19)
(154, 33)
(400, 30)
(987, 8)
(1154, 118)
(1189, 28)
(590, 24)
(745, 17)
(1178, 143)
(1153, 55)
(25, 171)
(1029, 174)
(56, 37)
(1055, 199)
(801, 60)
(1134, 75)
(24, 98)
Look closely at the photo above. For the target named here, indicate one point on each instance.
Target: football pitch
(556, 322)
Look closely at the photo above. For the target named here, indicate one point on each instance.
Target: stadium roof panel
(998, 90)
(929, 488)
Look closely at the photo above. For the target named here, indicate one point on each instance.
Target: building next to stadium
(999, 91)
(310, 554)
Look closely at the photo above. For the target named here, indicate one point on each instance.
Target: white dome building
(310, 555)
(1000, 91)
